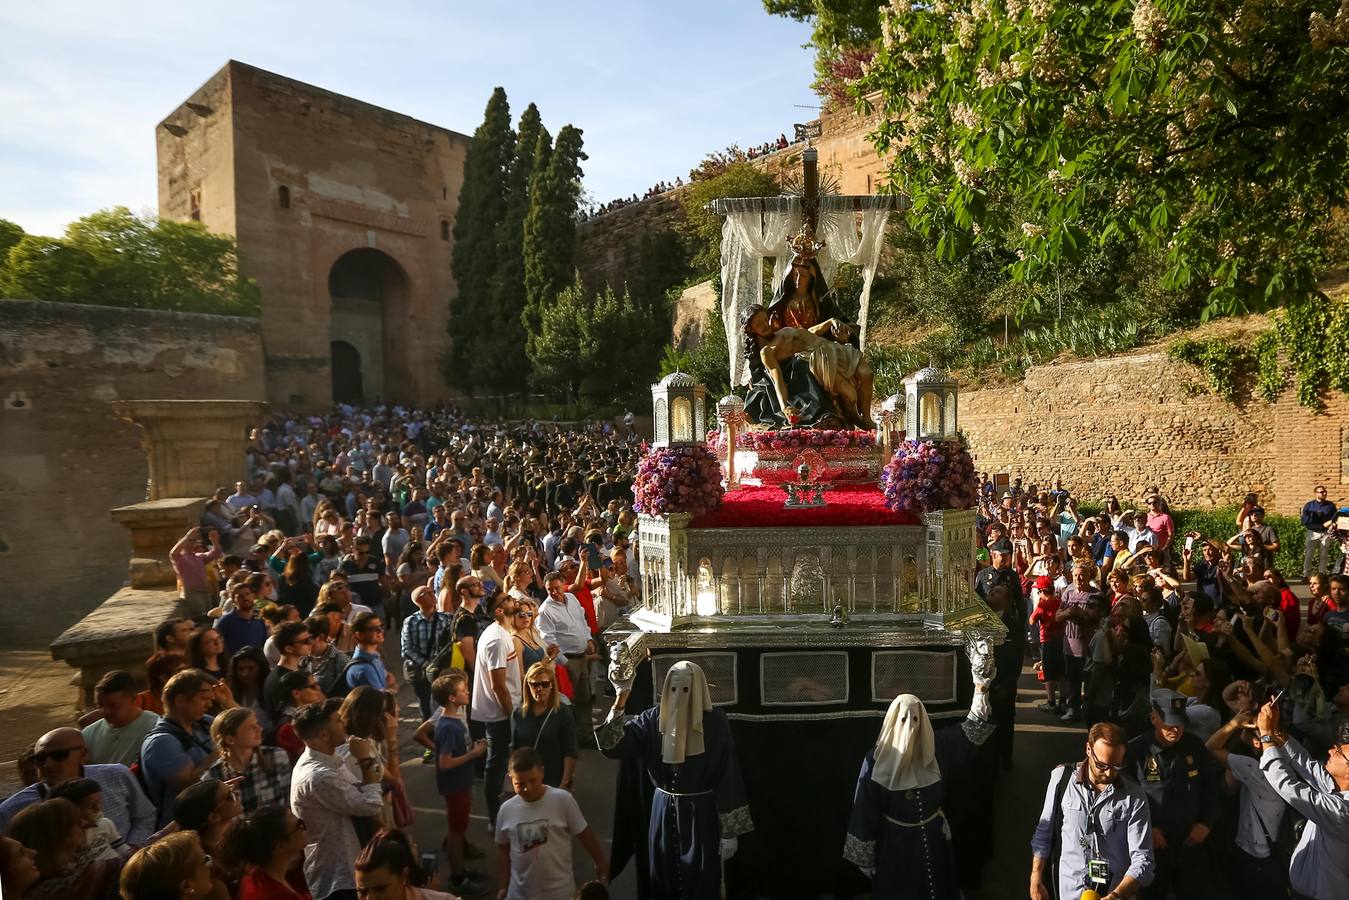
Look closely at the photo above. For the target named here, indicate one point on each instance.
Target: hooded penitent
(906, 752)
(684, 699)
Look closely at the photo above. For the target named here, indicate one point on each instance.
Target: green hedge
(1221, 523)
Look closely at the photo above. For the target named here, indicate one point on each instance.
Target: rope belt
(939, 814)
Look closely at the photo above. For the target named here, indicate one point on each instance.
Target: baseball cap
(1044, 583)
(1001, 546)
(1170, 706)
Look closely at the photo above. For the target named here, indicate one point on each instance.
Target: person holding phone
(190, 557)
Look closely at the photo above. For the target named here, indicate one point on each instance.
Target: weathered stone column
(193, 447)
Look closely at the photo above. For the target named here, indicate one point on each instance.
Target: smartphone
(1271, 614)
(1189, 543)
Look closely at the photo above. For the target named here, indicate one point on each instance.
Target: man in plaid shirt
(425, 634)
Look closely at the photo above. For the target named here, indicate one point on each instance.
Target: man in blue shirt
(1114, 859)
(179, 749)
(1318, 517)
(241, 627)
(1320, 864)
(367, 667)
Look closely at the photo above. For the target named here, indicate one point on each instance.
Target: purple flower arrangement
(677, 480)
(924, 476)
(796, 439)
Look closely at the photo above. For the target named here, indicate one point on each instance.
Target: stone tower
(344, 215)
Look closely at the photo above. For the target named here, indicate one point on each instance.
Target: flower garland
(924, 476)
(677, 480)
(796, 439)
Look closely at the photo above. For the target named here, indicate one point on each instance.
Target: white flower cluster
(1058, 182)
(965, 30)
(963, 114)
(966, 174)
(1045, 62)
(1015, 8)
(1032, 230)
(1041, 9)
(1325, 33)
(981, 10)
(1196, 112)
(1175, 136)
(1149, 25)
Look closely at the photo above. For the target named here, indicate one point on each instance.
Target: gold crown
(804, 245)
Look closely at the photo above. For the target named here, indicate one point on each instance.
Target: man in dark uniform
(1010, 606)
(609, 489)
(1181, 781)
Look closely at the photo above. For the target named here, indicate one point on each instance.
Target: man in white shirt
(324, 796)
(562, 621)
(534, 838)
(496, 693)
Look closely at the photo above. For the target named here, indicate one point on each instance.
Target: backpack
(163, 726)
(340, 687)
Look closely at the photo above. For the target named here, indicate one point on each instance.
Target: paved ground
(1041, 742)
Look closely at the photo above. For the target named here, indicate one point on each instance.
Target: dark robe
(912, 862)
(814, 404)
(688, 808)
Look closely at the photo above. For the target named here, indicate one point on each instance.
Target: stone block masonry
(65, 456)
(1120, 424)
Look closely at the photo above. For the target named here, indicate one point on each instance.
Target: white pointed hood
(906, 751)
(683, 700)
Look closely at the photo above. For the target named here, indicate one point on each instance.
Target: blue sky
(654, 85)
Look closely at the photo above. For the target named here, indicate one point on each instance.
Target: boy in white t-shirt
(534, 832)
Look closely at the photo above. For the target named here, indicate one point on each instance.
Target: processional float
(807, 619)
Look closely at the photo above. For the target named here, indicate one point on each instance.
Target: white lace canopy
(758, 228)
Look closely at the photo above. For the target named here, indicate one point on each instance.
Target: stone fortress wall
(66, 459)
(1122, 423)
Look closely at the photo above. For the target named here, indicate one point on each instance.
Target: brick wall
(65, 459)
(1122, 423)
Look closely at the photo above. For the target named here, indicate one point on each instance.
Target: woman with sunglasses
(268, 844)
(542, 724)
(263, 773)
(530, 647)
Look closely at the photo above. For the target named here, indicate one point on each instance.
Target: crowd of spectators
(1211, 692)
(715, 162)
(263, 759)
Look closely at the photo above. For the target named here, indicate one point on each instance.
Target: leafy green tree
(505, 339)
(702, 226)
(117, 258)
(10, 234)
(550, 226)
(556, 349)
(844, 33)
(482, 208)
(1215, 137)
(43, 268)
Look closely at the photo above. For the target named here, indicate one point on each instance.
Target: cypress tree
(550, 227)
(506, 341)
(482, 206)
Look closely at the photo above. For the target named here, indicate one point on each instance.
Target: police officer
(1002, 584)
(1181, 782)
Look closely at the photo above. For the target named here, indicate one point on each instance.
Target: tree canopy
(1214, 137)
(482, 208)
(118, 258)
(550, 226)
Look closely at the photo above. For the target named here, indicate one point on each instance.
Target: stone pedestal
(117, 635)
(155, 526)
(193, 446)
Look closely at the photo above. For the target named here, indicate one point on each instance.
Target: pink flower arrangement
(924, 476)
(796, 439)
(677, 480)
